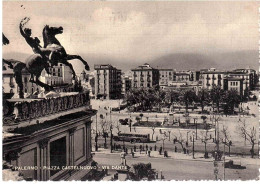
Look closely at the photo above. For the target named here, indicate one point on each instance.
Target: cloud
(134, 34)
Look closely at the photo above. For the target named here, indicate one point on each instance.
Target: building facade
(145, 76)
(166, 75)
(182, 76)
(49, 144)
(212, 78)
(9, 84)
(107, 82)
(232, 83)
(249, 77)
(60, 78)
(126, 84)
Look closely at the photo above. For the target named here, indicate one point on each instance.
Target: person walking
(165, 154)
(149, 153)
(133, 154)
(160, 150)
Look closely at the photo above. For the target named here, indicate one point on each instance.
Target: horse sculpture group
(44, 57)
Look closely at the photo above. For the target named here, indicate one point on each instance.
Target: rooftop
(104, 66)
(145, 66)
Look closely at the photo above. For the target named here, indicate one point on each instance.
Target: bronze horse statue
(52, 53)
(34, 65)
(57, 51)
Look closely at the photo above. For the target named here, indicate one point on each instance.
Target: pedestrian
(186, 143)
(133, 154)
(134, 148)
(175, 149)
(165, 154)
(160, 150)
(151, 148)
(155, 147)
(146, 147)
(149, 153)
(122, 158)
(184, 150)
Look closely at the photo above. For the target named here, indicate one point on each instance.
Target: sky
(137, 31)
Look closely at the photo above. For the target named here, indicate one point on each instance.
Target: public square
(177, 164)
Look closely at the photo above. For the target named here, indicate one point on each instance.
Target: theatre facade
(48, 139)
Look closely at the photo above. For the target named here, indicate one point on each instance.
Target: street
(181, 169)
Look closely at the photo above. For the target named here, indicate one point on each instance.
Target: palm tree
(188, 96)
(216, 95)
(203, 97)
(232, 99)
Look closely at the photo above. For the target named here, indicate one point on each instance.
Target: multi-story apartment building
(195, 75)
(212, 78)
(9, 84)
(249, 76)
(166, 75)
(107, 82)
(145, 76)
(126, 84)
(234, 83)
(182, 76)
(60, 78)
(59, 75)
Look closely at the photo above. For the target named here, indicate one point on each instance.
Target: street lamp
(96, 138)
(188, 136)
(111, 139)
(193, 145)
(195, 123)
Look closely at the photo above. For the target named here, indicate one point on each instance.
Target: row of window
(233, 83)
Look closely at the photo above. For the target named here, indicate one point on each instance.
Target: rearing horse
(58, 53)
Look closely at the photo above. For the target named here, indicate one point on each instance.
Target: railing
(42, 107)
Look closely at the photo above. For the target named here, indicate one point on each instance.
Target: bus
(130, 137)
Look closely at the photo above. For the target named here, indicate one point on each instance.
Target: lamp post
(96, 138)
(224, 173)
(193, 145)
(196, 125)
(188, 136)
(111, 139)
